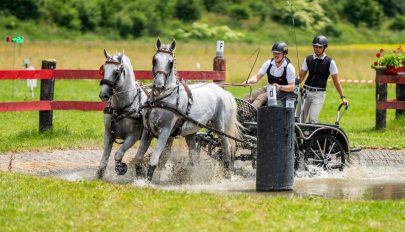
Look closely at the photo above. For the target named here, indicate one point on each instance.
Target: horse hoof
(121, 168)
(100, 174)
(139, 170)
(151, 170)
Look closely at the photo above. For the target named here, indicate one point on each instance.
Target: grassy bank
(38, 204)
(75, 129)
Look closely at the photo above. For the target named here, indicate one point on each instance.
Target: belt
(314, 89)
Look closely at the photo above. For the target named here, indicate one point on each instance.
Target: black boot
(151, 170)
(120, 168)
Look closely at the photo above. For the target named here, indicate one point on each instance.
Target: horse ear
(120, 57)
(173, 45)
(108, 56)
(158, 43)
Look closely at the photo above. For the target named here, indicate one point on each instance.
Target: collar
(322, 57)
(283, 63)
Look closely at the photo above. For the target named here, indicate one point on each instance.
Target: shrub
(392, 7)
(22, 9)
(10, 22)
(239, 12)
(398, 23)
(332, 30)
(187, 10)
(130, 24)
(203, 31)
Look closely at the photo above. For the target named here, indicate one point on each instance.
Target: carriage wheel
(299, 162)
(325, 151)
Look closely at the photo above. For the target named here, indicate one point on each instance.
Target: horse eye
(153, 62)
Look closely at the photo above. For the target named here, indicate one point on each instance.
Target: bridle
(165, 74)
(118, 74)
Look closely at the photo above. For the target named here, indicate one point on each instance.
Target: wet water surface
(356, 182)
(359, 181)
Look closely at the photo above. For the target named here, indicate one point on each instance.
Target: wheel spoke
(333, 144)
(315, 153)
(320, 149)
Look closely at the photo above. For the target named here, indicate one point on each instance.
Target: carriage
(316, 145)
(167, 113)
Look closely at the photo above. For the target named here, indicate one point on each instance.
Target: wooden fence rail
(48, 74)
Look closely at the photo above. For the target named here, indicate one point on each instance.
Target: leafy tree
(22, 9)
(363, 11)
(89, 13)
(62, 13)
(307, 14)
(392, 7)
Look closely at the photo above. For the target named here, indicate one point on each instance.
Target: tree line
(136, 18)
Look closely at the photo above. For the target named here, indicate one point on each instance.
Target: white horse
(122, 118)
(204, 103)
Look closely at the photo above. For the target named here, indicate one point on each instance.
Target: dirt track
(53, 162)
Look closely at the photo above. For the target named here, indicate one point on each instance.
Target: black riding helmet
(280, 47)
(320, 40)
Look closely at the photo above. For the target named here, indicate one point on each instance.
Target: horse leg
(162, 140)
(194, 156)
(225, 145)
(108, 142)
(166, 152)
(146, 139)
(120, 167)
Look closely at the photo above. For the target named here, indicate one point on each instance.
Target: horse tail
(235, 126)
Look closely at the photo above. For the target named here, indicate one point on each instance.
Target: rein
(171, 108)
(257, 51)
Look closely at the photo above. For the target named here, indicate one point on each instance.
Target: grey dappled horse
(205, 103)
(122, 118)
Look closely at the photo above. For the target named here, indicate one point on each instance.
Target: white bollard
(271, 95)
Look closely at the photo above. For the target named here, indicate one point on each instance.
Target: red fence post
(47, 94)
(219, 60)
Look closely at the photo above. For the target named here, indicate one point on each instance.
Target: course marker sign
(14, 39)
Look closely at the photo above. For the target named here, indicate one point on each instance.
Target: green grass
(47, 204)
(78, 129)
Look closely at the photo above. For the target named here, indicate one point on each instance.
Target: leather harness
(117, 114)
(159, 102)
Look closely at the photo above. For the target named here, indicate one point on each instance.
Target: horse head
(113, 75)
(163, 66)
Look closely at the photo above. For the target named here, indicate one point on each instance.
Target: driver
(319, 67)
(280, 73)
